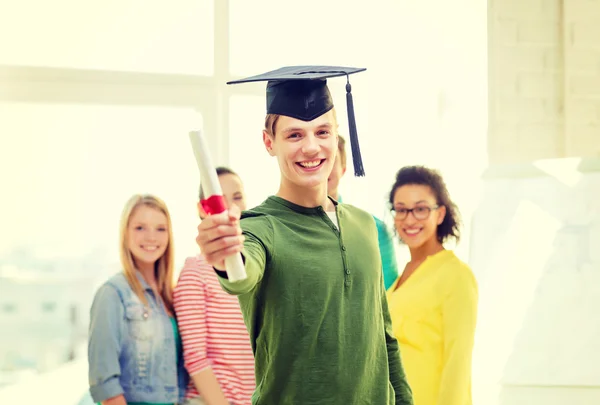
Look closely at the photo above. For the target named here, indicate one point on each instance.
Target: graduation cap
(301, 92)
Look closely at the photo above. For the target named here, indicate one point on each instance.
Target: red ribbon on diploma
(215, 204)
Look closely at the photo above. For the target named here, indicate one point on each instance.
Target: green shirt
(386, 251)
(315, 307)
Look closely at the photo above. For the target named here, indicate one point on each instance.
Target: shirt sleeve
(259, 235)
(189, 301)
(397, 375)
(459, 314)
(104, 344)
(388, 255)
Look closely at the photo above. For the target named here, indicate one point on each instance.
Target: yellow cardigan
(433, 315)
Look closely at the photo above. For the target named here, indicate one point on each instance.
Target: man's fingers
(220, 236)
(217, 232)
(214, 245)
(234, 213)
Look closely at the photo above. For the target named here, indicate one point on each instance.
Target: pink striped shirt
(213, 332)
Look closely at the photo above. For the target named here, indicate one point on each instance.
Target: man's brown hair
(342, 150)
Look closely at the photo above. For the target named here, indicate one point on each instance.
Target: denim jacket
(131, 348)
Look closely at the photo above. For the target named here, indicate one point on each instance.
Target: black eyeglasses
(421, 212)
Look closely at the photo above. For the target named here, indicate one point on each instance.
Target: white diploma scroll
(214, 203)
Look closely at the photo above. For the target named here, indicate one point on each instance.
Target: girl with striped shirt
(216, 344)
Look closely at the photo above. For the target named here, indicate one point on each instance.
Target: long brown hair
(163, 267)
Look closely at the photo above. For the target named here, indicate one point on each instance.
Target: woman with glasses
(433, 304)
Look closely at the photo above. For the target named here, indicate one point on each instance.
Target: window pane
(74, 167)
(419, 102)
(67, 172)
(128, 35)
(423, 99)
(247, 154)
(284, 33)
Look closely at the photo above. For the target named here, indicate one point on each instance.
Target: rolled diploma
(211, 186)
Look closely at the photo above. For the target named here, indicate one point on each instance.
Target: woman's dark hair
(221, 170)
(424, 176)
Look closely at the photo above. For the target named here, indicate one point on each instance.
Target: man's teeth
(310, 164)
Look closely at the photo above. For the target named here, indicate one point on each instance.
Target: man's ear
(268, 141)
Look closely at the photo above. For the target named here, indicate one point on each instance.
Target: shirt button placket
(346, 269)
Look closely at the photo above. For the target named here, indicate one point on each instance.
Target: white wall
(535, 254)
(544, 79)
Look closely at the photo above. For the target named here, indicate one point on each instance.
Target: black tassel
(359, 171)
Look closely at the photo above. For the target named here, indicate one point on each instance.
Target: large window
(310, 32)
(67, 172)
(248, 156)
(422, 99)
(74, 148)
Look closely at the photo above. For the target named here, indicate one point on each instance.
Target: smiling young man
(314, 301)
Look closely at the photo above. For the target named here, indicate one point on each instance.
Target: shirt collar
(142, 281)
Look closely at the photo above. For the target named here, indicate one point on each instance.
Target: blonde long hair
(164, 267)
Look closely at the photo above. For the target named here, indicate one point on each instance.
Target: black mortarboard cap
(301, 92)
